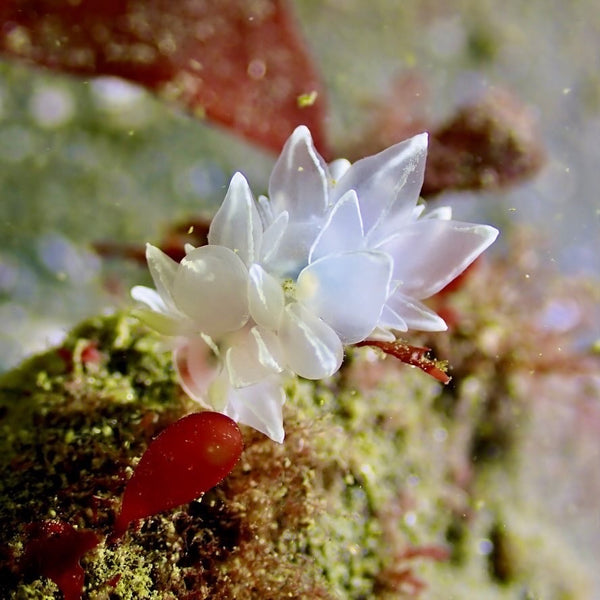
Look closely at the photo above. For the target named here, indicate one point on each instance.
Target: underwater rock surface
(388, 485)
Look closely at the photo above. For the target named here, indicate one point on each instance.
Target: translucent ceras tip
(335, 255)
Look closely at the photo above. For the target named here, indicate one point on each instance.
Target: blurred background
(98, 159)
(93, 165)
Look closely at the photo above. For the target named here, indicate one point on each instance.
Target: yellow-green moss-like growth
(387, 485)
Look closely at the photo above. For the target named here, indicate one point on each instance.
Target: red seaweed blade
(411, 355)
(185, 460)
(241, 64)
(54, 551)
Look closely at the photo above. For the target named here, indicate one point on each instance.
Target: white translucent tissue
(337, 254)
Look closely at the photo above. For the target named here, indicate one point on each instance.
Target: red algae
(410, 355)
(232, 61)
(54, 551)
(91, 355)
(185, 460)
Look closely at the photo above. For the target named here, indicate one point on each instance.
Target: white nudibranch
(340, 254)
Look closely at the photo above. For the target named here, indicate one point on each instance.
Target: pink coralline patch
(54, 551)
(185, 460)
(241, 63)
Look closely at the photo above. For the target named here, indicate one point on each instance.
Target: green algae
(382, 488)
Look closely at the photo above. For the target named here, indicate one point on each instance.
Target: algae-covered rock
(388, 485)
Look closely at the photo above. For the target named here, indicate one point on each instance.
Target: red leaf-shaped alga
(54, 550)
(241, 63)
(186, 459)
